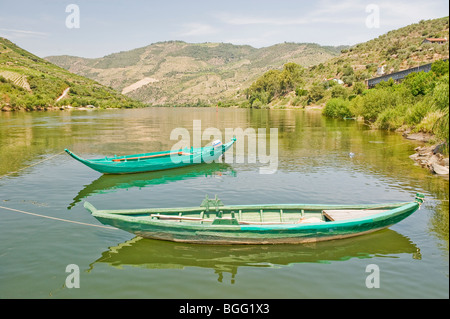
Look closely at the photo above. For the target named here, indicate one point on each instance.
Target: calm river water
(319, 161)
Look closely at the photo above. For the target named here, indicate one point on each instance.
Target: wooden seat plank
(337, 215)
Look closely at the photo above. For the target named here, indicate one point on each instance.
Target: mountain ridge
(178, 72)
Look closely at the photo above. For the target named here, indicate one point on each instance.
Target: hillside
(29, 82)
(176, 72)
(418, 103)
(394, 51)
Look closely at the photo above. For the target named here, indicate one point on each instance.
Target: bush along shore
(418, 107)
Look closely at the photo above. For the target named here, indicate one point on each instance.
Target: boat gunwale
(110, 161)
(252, 206)
(121, 215)
(204, 155)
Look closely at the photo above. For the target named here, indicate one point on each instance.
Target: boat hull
(254, 234)
(150, 162)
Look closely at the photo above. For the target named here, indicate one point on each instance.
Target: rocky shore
(430, 156)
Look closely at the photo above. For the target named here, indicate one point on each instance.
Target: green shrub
(391, 118)
(440, 128)
(376, 101)
(427, 124)
(358, 88)
(316, 93)
(420, 83)
(441, 93)
(257, 104)
(337, 108)
(415, 114)
(440, 67)
(339, 92)
(301, 92)
(356, 105)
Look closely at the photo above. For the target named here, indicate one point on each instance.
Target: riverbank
(431, 157)
(55, 108)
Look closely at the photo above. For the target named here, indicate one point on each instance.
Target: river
(45, 230)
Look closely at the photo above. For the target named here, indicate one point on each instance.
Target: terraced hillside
(29, 82)
(16, 78)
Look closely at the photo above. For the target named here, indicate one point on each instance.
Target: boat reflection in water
(157, 254)
(110, 183)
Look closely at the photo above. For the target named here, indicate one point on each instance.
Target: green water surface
(319, 161)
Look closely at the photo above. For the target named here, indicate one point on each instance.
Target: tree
(291, 77)
(300, 92)
(420, 83)
(275, 83)
(348, 70)
(337, 108)
(316, 93)
(440, 67)
(339, 91)
(358, 88)
(268, 85)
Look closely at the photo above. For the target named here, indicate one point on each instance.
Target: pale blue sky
(108, 26)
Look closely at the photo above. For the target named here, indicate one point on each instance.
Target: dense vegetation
(275, 83)
(394, 51)
(31, 83)
(420, 102)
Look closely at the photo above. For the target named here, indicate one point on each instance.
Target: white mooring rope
(55, 218)
(46, 159)
(43, 216)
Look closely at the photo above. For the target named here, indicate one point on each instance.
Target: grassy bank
(420, 103)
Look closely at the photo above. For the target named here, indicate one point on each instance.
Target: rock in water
(439, 169)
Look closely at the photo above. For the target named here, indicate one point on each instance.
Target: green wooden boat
(214, 223)
(148, 162)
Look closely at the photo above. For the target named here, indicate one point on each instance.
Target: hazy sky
(108, 26)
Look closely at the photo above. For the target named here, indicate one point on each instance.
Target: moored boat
(148, 162)
(215, 223)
